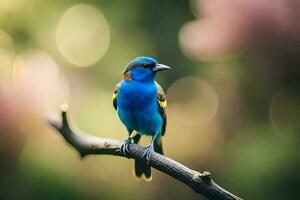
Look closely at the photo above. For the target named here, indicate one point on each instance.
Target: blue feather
(138, 108)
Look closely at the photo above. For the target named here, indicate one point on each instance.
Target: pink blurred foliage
(37, 90)
(230, 26)
(15, 115)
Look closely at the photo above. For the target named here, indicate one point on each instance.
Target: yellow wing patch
(115, 95)
(162, 103)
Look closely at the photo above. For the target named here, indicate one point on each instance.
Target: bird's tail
(141, 167)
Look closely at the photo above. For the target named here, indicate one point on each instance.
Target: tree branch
(86, 144)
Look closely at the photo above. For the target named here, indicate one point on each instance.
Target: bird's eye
(146, 65)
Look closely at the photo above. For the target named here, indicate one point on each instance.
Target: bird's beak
(160, 67)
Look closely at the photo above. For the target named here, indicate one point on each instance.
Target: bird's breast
(137, 95)
(137, 107)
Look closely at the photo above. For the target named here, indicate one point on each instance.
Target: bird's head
(143, 69)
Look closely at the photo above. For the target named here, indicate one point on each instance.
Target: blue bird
(141, 106)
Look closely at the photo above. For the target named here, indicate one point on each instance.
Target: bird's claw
(125, 147)
(147, 153)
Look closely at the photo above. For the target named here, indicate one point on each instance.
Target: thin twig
(201, 183)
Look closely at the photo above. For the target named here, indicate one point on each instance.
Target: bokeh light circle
(37, 76)
(7, 54)
(192, 101)
(204, 40)
(82, 35)
(6, 41)
(6, 60)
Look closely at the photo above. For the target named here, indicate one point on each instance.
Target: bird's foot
(147, 153)
(125, 147)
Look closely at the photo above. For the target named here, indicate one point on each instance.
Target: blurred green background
(233, 94)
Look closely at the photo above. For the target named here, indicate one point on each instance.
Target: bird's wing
(115, 94)
(162, 104)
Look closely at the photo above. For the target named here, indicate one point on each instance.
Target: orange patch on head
(127, 76)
